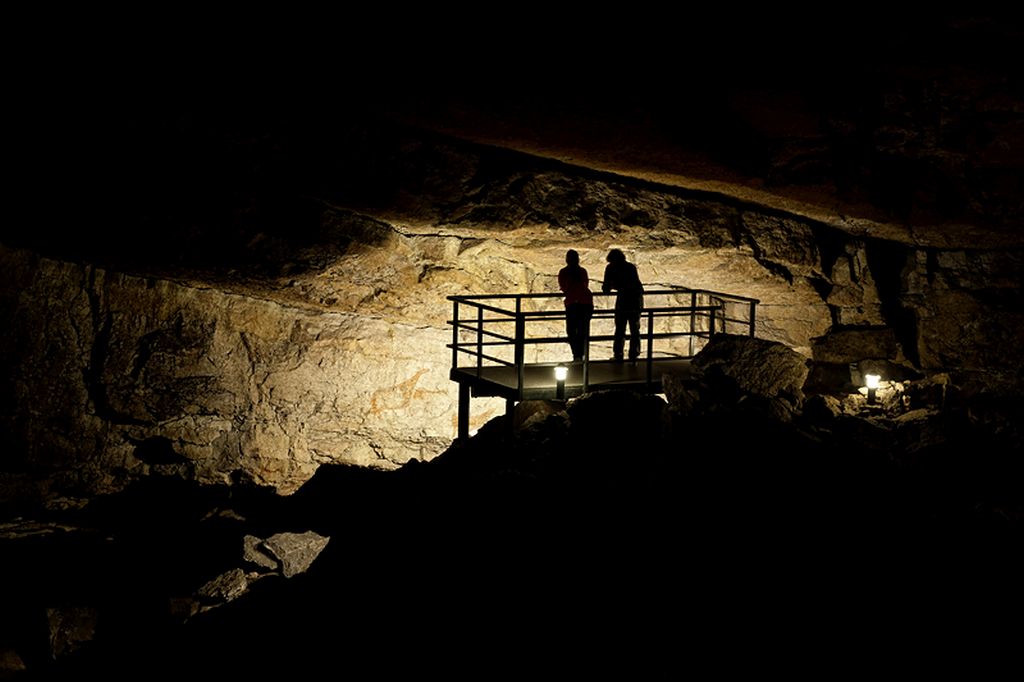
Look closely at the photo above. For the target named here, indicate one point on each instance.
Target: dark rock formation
(700, 505)
(294, 552)
(70, 628)
(733, 366)
(225, 587)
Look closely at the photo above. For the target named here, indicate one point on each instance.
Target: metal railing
(484, 326)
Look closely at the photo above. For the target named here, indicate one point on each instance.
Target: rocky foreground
(738, 524)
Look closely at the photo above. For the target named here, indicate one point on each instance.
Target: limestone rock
(934, 392)
(846, 377)
(134, 375)
(225, 587)
(755, 366)
(854, 295)
(784, 242)
(827, 377)
(967, 309)
(295, 552)
(252, 552)
(851, 345)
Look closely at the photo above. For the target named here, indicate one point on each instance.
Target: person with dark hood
(579, 303)
(621, 276)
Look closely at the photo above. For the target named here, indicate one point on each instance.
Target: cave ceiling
(908, 128)
(911, 130)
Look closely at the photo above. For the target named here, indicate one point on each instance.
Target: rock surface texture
(304, 322)
(225, 290)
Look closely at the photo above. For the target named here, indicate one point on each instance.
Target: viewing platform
(510, 344)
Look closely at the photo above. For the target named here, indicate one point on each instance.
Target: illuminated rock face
(265, 376)
(229, 383)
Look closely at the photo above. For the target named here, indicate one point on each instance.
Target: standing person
(579, 303)
(621, 276)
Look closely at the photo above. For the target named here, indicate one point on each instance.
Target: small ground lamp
(871, 381)
(561, 372)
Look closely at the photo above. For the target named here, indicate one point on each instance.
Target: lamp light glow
(871, 381)
(561, 372)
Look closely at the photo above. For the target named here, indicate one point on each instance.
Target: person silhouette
(579, 303)
(621, 276)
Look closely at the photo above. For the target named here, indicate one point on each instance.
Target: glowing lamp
(871, 381)
(561, 372)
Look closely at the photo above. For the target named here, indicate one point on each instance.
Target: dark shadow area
(224, 166)
(622, 534)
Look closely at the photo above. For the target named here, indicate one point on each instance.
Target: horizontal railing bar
(659, 312)
(485, 319)
(562, 339)
(511, 313)
(470, 351)
(466, 344)
(471, 369)
(473, 328)
(609, 337)
(469, 298)
(664, 358)
(492, 308)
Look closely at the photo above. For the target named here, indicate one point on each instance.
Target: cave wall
(324, 340)
(119, 376)
(967, 313)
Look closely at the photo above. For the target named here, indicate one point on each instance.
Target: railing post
(650, 345)
(586, 359)
(711, 319)
(520, 350)
(455, 333)
(693, 319)
(479, 340)
(753, 312)
(463, 410)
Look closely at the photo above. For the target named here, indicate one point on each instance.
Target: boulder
(295, 552)
(253, 552)
(744, 365)
(225, 587)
